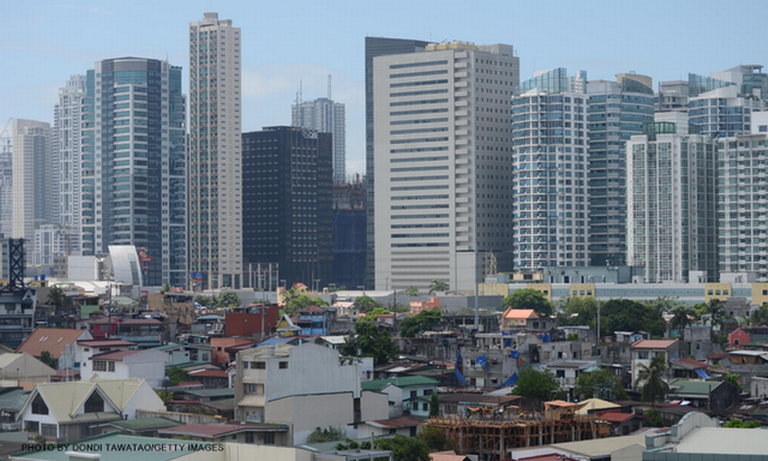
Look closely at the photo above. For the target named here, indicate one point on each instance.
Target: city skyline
(662, 40)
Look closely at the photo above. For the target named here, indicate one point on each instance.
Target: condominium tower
(377, 46)
(671, 227)
(325, 116)
(134, 165)
(549, 138)
(215, 178)
(443, 165)
(34, 173)
(617, 110)
(67, 120)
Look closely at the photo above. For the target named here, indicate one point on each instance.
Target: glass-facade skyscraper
(134, 165)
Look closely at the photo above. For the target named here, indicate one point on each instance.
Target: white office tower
(66, 143)
(34, 177)
(215, 153)
(325, 116)
(443, 169)
(550, 195)
(671, 227)
(742, 209)
(6, 193)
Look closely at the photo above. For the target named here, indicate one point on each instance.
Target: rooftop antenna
(329, 87)
(298, 93)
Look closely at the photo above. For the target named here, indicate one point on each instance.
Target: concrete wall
(241, 451)
(373, 406)
(759, 387)
(306, 413)
(144, 399)
(183, 418)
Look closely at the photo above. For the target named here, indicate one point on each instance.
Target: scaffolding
(493, 439)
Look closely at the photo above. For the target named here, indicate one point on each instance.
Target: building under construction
(493, 439)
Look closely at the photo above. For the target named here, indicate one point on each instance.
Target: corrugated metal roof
(405, 381)
(52, 340)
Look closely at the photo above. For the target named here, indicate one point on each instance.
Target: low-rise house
(66, 412)
(255, 322)
(741, 337)
(124, 364)
(719, 359)
(86, 348)
(53, 340)
(714, 396)
(211, 325)
(759, 388)
(699, 339)
(12, 400)
(404, 425)
(621, 423)
(645, 350)
(263, 434)
(183, 353)
(211, 379)
(408, 395)
(420, 306)
(220, 355)
(526, 319)
(748, 364)
(689, 369)
(314, 320)
(145, 427)
(145, 332)
(568, 371)
(631, 336)
(273, 386)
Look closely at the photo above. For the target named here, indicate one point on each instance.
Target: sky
(292, 42)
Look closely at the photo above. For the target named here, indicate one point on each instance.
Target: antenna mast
(329, 87)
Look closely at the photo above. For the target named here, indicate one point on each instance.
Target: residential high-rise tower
(134, 165)
(34, 172)
(215, 178)
(325, 116)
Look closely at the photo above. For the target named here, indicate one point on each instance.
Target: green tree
(56, 297)
(666, 304)
(371, 316)
(626, 315)
(599, 384)
(536, 384)
(331, 434)
(717, 311)
(369, 341)
(165, 396)
(528, 298)
(735, 423)
(167, 287)
(654, 418)
(681, 317)
(733, 379)
(367, 304)
(297, 303)
(652, 379)
(434, 405)
(412, 291)
(579, 310)
(436, 286)
(423, 321)
(206, 301)
(176, 375)
(49, 360)
(435, 438)
(404, 448)
(759, 317)
(228, 299)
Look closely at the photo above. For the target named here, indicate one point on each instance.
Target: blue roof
(273, 341)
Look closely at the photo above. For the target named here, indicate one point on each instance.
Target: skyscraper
(443, 163)
(215, 178)
(617, 111)
(287, 203)
(134, 165)
(34, 173)
(377, 46)
(549, 138)
(671, 227)
(325, 116)
(66, 139)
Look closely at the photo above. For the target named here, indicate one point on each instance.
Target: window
(39, 407)
(269, 438)
(100, 365)
(48, 430)
(560, 373)
(94, 404)
(259, 365)
(425, 406)
(248, 437)
(413, 394)
(283, 365)
(642, 355)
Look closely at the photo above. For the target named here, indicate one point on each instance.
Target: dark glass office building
(287, 203)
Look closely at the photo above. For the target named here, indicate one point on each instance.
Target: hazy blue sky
(42, 43)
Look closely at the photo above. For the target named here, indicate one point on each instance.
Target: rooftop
(405, 381)
(724, 441)
(520, 314)
(145, 424)
(52, 340)
(219, 430)
(105, 343)
(654, 344)
(113, 355)
(687, 387)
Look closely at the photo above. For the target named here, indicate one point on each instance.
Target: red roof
(313, 308)
(52, 340)
(615, 416)
(141, 322)
(113, 355)
(718, 355)
(209, 373)
(190, 384)
(693, 363)
(654, 344)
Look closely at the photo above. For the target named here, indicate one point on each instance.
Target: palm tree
(56, 297)
(437, 286)
(652, 377)
(717, 312)
(681, 317)
(412, 291)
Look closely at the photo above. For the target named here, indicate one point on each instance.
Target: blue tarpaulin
(482, 361)
(458, 359)
(507, 341)
(514, 354)
(511, 381)
(460, 377)
(702, 374)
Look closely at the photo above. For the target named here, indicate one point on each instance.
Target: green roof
(405, 381)
(702, 388)
(13, 399)
(225, 392)
(144, 424)
(101, 443)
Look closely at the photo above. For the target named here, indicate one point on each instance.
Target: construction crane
(5, 138)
